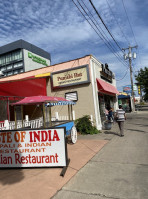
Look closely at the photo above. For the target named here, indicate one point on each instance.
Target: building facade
(85, 80)
(21, 56)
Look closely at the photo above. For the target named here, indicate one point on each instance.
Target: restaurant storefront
(85, 81)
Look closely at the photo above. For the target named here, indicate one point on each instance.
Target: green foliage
(142, 80)
(84, 125)
(142, 103)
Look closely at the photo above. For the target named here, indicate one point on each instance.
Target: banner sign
(33, 148)
(70, 77)
(128, 88)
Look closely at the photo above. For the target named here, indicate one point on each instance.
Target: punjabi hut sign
(33, 148)
(70, 77)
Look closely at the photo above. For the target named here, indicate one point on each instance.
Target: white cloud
(58, 27)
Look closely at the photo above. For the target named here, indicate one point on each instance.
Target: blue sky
(59, 28)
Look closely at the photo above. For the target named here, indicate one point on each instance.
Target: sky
(59, 28)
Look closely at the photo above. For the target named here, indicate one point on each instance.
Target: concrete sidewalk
(119, 170)
(43, 183)
(102, 166)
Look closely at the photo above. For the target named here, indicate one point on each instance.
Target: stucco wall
(84, 105)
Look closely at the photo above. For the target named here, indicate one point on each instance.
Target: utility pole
(129, 56)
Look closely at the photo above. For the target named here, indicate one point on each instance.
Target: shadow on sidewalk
(111, 132)
(137, 130)
(10, 176)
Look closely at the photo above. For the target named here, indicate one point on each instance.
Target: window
(8, 58)
(3, 68)
(10, 73)
(72, 96)
(16, 72)
(16, 65)
(9, 67)
(20, 64)
(22, 70)
(17, 55)
(2, 60)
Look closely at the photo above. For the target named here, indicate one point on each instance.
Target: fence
(37, 123)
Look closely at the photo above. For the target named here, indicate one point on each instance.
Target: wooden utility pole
(131, 71)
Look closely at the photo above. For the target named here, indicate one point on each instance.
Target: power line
(94, 19)
(129, 22)
(113, 51)
(117, 22)
(131, 30)
(101, 36)
(105, 25)
(123, 76)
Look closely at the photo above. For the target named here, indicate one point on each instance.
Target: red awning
(39, 100)
(24, 87)
(106, 88)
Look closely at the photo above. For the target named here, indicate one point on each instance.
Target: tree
(142, 80)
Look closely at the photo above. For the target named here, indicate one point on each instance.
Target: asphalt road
(119, 170)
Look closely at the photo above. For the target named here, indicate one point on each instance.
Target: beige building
(84, 80)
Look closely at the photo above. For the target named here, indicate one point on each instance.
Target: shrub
(142, 103)
(84, 125)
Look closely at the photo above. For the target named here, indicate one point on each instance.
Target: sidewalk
(119, 170)
(102, 166)
(43, 183)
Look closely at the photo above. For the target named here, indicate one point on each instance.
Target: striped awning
(60, 103)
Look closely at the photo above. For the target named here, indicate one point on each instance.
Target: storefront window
(102, 108)
(106, 102)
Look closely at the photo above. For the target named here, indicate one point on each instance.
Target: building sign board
(33, 148)
(106, 74)
(128, 88)
(70, 77)
(37, 59)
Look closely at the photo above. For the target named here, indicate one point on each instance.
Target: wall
(96, 68)
(84, 105)
(29, 64)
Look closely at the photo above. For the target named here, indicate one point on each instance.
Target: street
(119, 170)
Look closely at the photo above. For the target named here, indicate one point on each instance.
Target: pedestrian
(110, 113)
(120, 118)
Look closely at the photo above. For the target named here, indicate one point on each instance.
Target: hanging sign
(106, 74)
(33, 148)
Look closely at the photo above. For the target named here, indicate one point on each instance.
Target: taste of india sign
(33, 148)
(70, 77)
